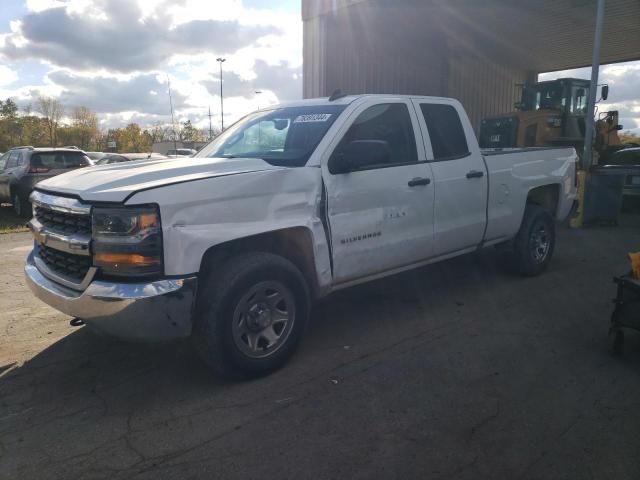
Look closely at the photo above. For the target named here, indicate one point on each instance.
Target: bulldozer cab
(566, 96)
(549, 113)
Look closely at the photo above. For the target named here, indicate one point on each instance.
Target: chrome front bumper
(154, 311)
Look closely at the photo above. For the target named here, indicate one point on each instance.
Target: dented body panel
(198, 215)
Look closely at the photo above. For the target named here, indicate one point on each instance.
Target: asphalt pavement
(454, 371)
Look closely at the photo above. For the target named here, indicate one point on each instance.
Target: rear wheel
(535, 242)
(251, 313)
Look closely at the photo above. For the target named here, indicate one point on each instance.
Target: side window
(388, 125)
(448, 139)
(3, 160)
(20, 159)
(72, 160)
(12, 162)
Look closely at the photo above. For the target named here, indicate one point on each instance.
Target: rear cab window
(448, 139)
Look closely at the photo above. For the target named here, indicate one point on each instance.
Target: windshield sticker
(314, 117)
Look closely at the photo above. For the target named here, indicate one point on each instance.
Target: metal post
(587, 154)
(173, 121)
(221, 61)
(210, 127)
(587, 157)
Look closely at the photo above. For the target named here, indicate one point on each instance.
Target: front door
(8, 163)
(381, 211)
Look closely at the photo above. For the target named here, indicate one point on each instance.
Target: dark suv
(22, 167)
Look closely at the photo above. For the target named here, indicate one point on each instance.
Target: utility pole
(591, 106)
(173, 122)
(210, 128)
(221, 60)
(587, 154)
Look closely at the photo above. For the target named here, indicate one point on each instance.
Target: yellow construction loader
(553, 113)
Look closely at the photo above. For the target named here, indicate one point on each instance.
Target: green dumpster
(603, 200)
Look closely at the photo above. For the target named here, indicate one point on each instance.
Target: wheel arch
(294, 243)
(546, 196)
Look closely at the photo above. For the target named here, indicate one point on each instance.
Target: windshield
(283, 137)
(550, 97)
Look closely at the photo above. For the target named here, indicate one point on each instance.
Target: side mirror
(359, 154)
(619, 127)
(604, 94)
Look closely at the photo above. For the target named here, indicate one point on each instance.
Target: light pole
(221, 60)
(258, 92)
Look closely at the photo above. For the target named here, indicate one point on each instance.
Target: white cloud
(114, 56)
(7, 76)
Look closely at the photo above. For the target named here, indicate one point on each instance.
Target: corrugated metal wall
(478, 52)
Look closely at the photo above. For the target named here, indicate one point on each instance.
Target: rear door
(7, 174)
(459, 173)
(380, 217)
(3, 178)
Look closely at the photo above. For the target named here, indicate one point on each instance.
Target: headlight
(127, 241)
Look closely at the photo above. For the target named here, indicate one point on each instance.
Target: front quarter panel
(201, 214)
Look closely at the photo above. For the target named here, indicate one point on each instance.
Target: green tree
(189, 133)
(9, 125)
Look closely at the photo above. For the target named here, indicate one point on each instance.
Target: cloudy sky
(115, 56)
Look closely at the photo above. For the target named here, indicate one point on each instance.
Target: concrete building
(479, 52)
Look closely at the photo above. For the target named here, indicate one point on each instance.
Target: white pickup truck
(231, 247)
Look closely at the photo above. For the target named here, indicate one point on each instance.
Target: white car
(233, 246)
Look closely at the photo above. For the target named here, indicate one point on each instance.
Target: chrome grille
(63, 222)
(72, 266)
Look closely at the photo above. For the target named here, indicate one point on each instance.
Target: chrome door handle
(419, 181)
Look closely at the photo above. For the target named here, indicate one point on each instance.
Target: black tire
(223, 293)
(533, 246)
(21, 205)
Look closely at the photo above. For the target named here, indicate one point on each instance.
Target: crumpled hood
(115, 182)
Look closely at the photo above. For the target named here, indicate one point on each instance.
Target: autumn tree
(52, 111)
(85, 121)
(630, 137)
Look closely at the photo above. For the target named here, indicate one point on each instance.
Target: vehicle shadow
(84, 369)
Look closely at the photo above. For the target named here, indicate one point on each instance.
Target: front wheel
(535, 242)
(251, 313)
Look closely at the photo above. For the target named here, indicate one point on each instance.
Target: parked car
(95, 156)
(128, 157)
(286, 206)
(181, 152)
(628, 156)
(21, 168)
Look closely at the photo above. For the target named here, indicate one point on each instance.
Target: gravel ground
(457, 370)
